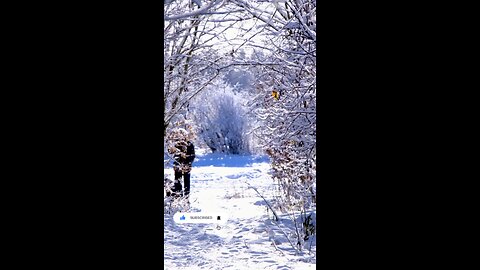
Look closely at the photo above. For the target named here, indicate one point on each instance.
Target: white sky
(238, 34)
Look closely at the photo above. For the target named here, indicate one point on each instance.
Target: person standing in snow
(183, 152)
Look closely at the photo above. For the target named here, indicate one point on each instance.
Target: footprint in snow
(243, 230)
(257, 253)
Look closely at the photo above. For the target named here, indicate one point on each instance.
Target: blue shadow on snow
(223, 160)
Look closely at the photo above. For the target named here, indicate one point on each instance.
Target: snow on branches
(289, 118)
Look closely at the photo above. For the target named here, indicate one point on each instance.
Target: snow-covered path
(245, 241)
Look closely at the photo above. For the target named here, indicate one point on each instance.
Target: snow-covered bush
(220, 118)
(286, 103)
(174, 133)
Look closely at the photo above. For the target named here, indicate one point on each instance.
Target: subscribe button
(200, 217)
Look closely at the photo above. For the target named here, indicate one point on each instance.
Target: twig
(245, 242)
(269, 206)
(275, 245)
(293, 246)
(296, 229)
(276, 216)
(310, 248)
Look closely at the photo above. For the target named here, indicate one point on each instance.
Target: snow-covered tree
(286, 102)
(191, 57)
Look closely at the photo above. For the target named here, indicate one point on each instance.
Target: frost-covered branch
(201, 11)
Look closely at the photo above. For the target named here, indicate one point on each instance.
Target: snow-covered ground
(246, 240)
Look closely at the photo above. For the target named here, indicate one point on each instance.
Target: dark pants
(186, 180)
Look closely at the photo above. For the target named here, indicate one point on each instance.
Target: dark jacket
(186, 148)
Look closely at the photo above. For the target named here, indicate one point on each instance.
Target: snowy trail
(245, 241)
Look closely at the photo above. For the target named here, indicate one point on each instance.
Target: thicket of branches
(191, 62)
(286, 103)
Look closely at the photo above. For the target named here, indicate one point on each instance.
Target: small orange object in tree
(275, 94)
